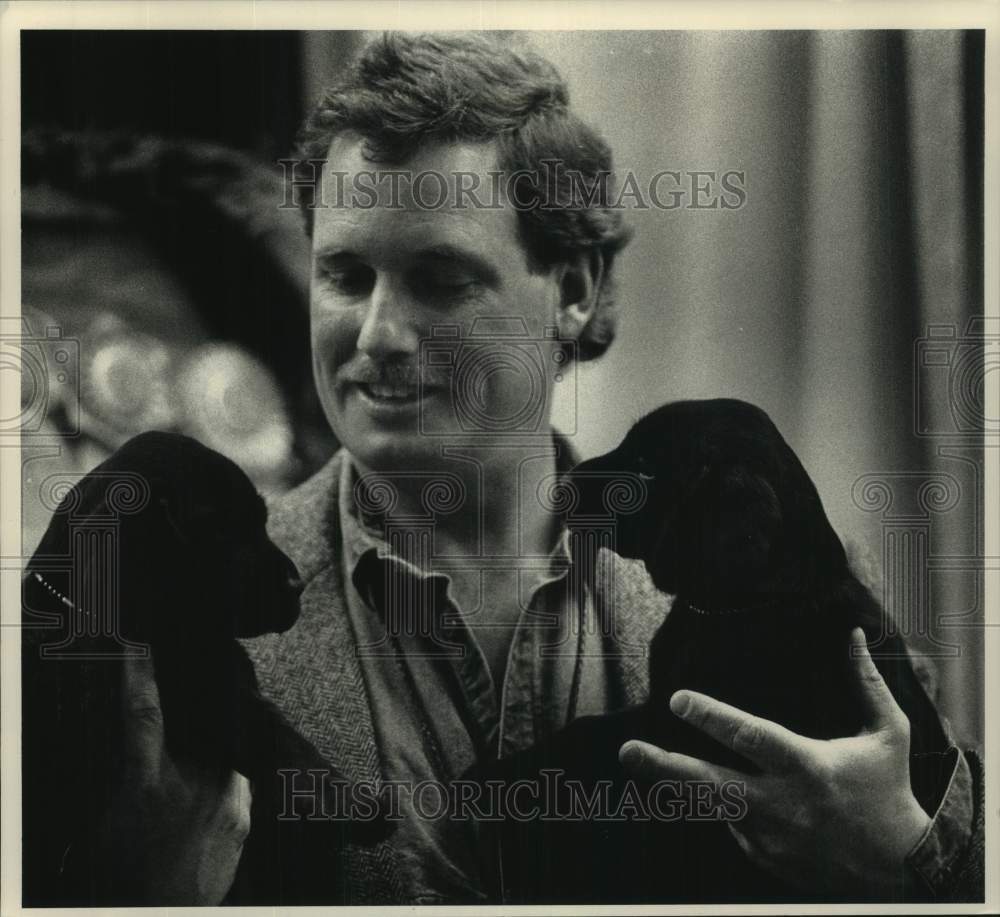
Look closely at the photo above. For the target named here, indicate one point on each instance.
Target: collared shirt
(313, 673)
(435, 708)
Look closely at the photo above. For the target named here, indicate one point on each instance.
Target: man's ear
(580, 281)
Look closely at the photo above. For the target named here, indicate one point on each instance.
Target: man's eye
(444, 283)
(354, 281)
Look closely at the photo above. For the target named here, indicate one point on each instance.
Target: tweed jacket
(312, 673)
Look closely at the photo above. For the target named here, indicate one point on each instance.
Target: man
(436, 630)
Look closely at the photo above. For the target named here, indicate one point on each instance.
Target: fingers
(649, 763)
(768, 745)
(881, 711)
(742, 842)
(238, 798)
(143, 716)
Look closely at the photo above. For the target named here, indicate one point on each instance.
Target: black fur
(764, 603)
(196, 570)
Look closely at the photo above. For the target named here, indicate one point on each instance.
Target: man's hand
(175, 831)
(832, 816)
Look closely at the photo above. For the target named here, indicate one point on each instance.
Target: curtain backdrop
(862, 154)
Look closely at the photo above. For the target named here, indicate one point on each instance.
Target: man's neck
(500, 512)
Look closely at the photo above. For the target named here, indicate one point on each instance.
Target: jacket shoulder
(632, 610)
(304, 521)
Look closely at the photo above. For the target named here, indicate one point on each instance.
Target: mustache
(366, 371)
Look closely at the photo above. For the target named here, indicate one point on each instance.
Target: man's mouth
(393, 400)
(395, 393)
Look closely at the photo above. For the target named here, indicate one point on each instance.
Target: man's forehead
(416, 203)
(353, 145)
(347, 164)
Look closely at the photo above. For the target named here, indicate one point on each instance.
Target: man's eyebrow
(478, 264)
(329, 253)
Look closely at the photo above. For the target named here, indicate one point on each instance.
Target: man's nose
(388, 327)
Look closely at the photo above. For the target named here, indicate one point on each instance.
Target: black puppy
(733, 527)
(163, 546)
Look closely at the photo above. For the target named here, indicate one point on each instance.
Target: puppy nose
(292, 578)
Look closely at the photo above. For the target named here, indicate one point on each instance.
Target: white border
(460, 14)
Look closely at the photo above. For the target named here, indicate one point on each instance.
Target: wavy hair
(405, 90)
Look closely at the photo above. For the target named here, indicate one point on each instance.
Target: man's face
(386, 279)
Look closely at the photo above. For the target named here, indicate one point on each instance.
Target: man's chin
(384, 452)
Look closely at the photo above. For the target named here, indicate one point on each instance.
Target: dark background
(244, 89)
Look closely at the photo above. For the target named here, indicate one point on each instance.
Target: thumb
(880, 710)
(143, 715)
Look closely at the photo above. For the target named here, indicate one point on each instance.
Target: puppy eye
(644, 468)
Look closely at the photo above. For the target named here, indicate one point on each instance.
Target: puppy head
(192, 554)
(730, 512)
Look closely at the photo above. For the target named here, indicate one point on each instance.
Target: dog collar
(55, 592)
(746, 609)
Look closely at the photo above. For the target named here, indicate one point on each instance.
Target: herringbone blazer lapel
(631, 610)
(312, 673)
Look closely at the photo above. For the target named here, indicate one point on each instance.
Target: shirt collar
(364, 541)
